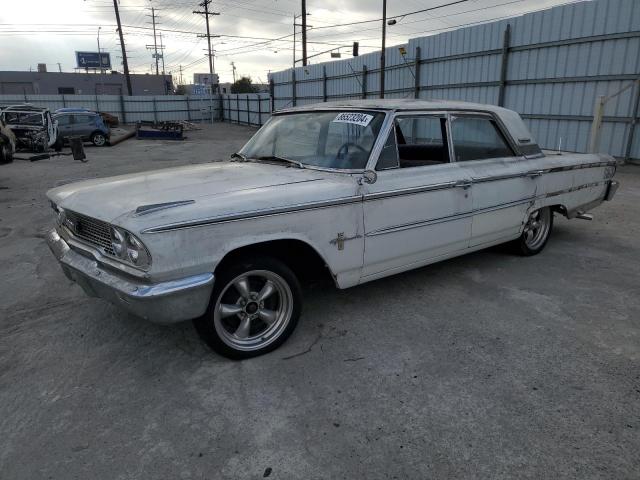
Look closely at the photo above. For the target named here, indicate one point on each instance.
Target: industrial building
(67, 83)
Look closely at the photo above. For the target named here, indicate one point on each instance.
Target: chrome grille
(92, 231)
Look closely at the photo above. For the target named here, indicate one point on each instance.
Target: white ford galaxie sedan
(359, 190)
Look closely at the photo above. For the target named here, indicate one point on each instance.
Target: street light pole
(384, 43)
(99, 56)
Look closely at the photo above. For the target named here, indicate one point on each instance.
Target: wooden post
(416, 79)
(364, 81)
(259, 110)
(293, 87)
(503, 66)
(324, 83)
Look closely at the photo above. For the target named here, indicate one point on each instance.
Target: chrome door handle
(463, 184)
(535, 173)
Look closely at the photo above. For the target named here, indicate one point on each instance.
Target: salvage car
(360, 190)
(34, 128)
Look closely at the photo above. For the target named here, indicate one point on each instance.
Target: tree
(243, 85)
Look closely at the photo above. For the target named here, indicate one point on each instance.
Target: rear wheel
(536, 232)
(98, 139)
(254, 308)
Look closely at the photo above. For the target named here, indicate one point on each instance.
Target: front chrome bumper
(165, 302)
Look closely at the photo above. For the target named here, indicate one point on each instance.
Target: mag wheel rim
(537, 228)
(253, 310)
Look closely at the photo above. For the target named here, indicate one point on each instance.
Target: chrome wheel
(537, 228)
(253, 310)
(98, 139)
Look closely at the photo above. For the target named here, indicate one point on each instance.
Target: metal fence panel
(557, 62)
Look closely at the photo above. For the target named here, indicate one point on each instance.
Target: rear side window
(476, 138)
(422, 140)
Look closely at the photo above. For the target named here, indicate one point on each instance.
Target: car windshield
(23, 118)
(336, 139)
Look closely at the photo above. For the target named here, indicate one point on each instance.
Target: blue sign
(96, 60)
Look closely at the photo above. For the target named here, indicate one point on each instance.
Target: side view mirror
(369, 177)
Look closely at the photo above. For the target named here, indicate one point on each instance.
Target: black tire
(531, 243)
(99, 139)
(286, 303)
(59, 144)
(6, 153)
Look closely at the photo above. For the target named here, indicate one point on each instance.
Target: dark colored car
(83, 123)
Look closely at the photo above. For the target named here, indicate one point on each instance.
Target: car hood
(148, 199)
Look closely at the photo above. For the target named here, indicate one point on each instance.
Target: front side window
(337, 139)
(476, 138)
(63, 120)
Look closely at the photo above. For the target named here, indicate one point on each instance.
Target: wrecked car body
(359, 189)
(34, 127)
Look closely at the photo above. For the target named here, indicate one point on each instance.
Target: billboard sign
(97, 60)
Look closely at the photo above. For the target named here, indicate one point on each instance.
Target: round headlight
(118, 240)
(137, 252)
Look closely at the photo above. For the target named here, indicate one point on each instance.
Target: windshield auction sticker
(362, 119)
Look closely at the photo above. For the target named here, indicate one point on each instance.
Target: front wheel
(536, 232)
(254, 308)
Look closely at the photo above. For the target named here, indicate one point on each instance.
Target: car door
(504, 183)
(419, 209)
(65, 125)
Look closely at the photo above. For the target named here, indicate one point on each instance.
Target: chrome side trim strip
(573, 189)
(409, 191)
(253, 214)
(353, 199)
(459, 216)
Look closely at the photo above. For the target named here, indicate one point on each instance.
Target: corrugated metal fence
(550, 66)
(158, 108)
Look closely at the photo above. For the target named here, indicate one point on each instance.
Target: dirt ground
(486, 366)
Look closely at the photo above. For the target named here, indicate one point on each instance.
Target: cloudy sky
(46, 31)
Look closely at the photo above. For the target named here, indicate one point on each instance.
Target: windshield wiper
(274, 158)
(239, 156)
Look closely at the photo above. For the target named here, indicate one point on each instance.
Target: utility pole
(162, 50)
(304, 33)
(383, 59)
(205, 4)
(125, 65)
(233, 67)
(155, 42)
(181, 79)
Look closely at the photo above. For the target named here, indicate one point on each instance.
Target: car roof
(397, 104)
(73, 110)
(25, 108)
(511, 119)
